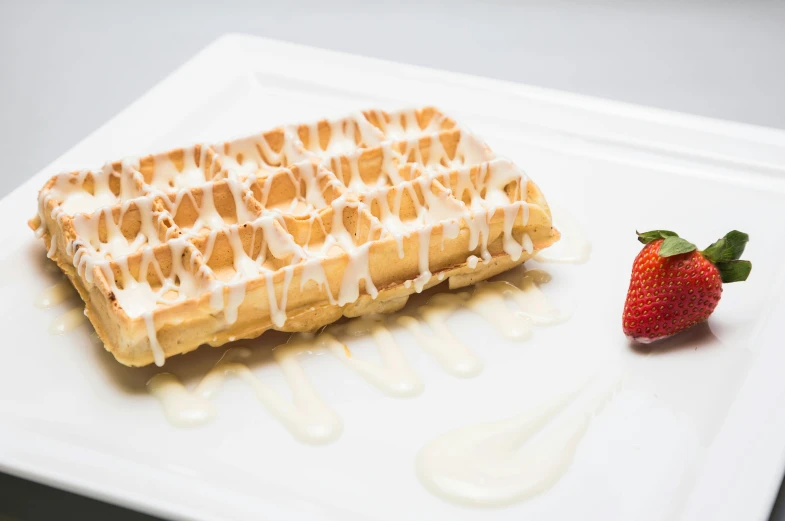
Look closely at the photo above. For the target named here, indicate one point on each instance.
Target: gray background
(66, 68)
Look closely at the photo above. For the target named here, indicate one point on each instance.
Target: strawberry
(674, 286)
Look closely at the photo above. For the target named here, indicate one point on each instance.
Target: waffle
(289, 229)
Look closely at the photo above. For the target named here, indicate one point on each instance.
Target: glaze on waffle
(290, 229)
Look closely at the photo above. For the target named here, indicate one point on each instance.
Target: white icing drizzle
(511, 246)
(470, 151)
(83, 202)
(313, 270)
(436, 210)
(117, 244)
(499, 463)
(139, 299)
(422, 259)
(306, 179)
(389, 175)
(485, 189)
(74, 199)
(482, 196)
(208, 216)
(357, 270)
(246, 267)
(236, 295)
(278, 311)
(166, 175)
(68, 194)
(252, 156)
(345, 135)
(403, 124)
(159, 356)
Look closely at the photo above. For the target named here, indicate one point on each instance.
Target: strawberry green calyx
(647, 237)
(734, 271)
(725, 254)
(671, 245)
(729, 248)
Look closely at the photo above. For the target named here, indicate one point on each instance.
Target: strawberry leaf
(675, 246)
(734, 271)
(647, 237)
(729, 248)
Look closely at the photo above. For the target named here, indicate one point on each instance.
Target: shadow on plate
(699, 336)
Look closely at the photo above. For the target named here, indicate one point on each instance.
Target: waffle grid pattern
(288, 229)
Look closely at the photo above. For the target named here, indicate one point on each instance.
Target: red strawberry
(674, 286)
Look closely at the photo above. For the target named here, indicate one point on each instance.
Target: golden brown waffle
(288, 229)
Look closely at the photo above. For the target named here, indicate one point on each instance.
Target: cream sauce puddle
(307, 416)
(68, 321)
(450, 353)
(394, 376)
(489, 300)
(499, 463)
(574, 246)
(56, 294)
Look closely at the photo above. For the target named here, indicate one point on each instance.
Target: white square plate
(697, 430)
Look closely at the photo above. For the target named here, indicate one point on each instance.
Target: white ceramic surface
(695, 422)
